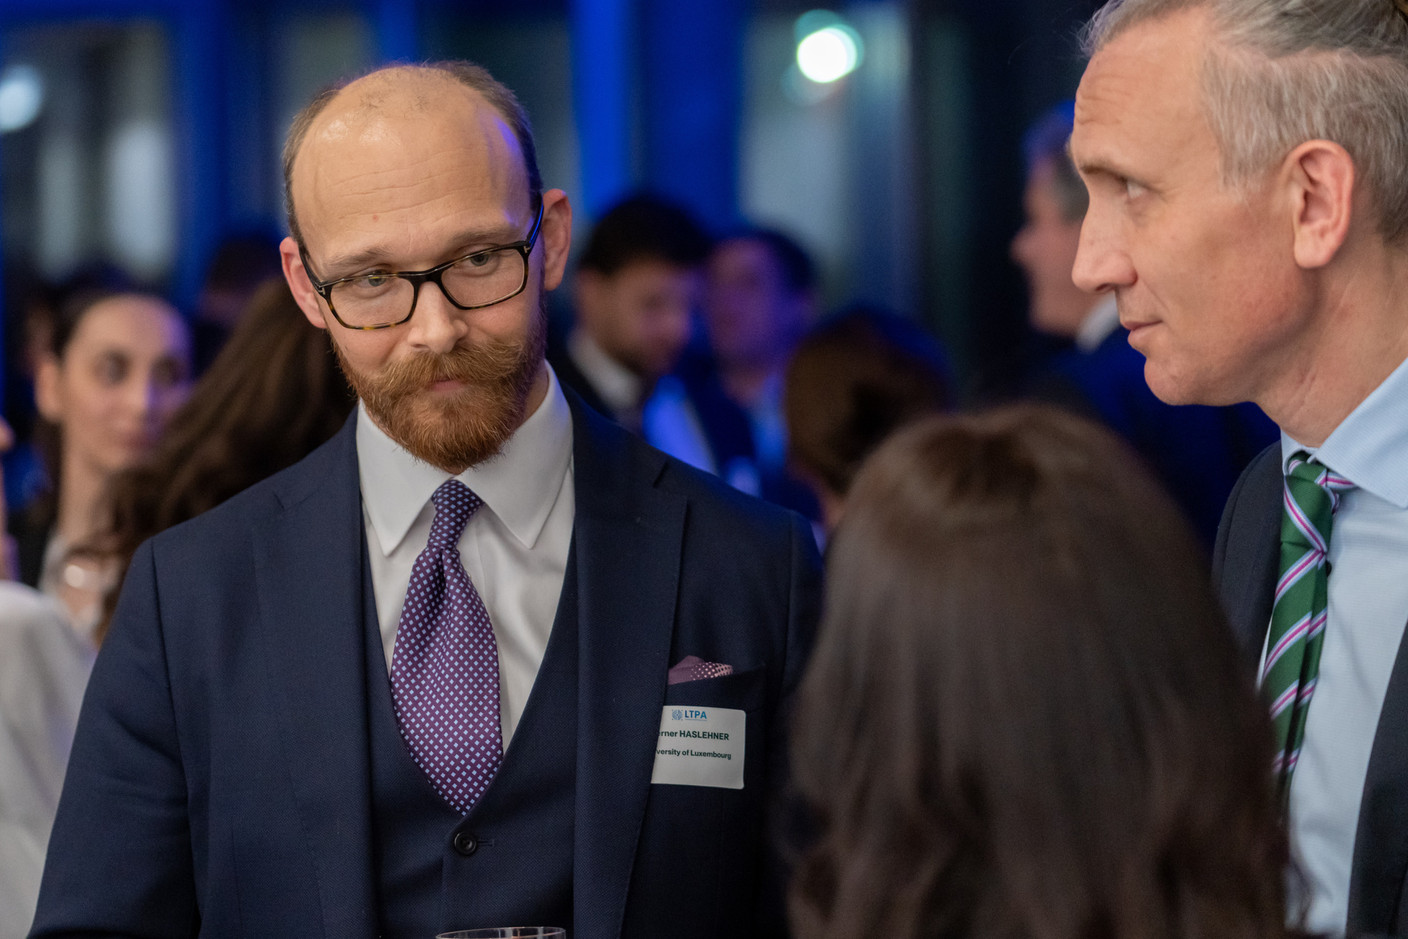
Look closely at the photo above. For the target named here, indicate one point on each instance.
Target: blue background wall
(163, 119)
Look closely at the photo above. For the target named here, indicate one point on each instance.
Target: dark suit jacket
(220, 777)
(1245, 567)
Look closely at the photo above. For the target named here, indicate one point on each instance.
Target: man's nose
(437, 324)
(1102, 262)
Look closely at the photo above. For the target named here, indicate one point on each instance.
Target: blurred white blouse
(44, 667)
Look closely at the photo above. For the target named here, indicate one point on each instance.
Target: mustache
(484, 363)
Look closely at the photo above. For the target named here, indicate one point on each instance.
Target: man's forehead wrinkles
(353, 178)
(1106, 93)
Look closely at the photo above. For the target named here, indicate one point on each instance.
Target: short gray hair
(1287, 71)
(474, 77)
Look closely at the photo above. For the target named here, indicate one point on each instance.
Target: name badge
(700, 746)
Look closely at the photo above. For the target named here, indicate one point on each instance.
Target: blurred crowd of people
(713, 349)
(1025, 714)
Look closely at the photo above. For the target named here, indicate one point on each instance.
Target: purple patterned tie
(445, 669)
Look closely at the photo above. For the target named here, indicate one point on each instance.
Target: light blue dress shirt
(1368, 608)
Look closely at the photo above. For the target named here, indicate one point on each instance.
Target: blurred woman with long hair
(115, 368)
(1025, 717)
(271, 396)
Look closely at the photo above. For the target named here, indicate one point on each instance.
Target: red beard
(463, 428)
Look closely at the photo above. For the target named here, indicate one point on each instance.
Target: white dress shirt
(1103, 319)
(620, 388)
(1368, 608)
(667, 418)
(514, 549)
(44, 668)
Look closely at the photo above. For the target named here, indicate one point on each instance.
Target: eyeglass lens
(477, 280)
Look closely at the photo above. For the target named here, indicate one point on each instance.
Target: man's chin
(1170, 387)
(451, 430)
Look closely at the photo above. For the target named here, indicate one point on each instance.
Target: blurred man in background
(760, 295)
(759, 298)
(635, 293)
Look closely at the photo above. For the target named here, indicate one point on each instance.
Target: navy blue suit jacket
(219, 783)
(1245, 568)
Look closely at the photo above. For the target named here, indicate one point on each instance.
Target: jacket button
(465, 843)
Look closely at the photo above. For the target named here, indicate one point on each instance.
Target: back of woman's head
(853, 379)
(1025, 716)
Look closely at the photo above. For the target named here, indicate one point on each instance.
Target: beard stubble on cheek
(463, 428)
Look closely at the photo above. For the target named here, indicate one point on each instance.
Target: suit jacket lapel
(627, 543)
(1380, 864)
(1246, 557)
(309, 570)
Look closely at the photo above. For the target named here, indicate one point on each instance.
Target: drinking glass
(508, 932)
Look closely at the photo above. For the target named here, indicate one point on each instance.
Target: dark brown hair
(270, 397)
(645, 227)
(852, 381)
(1025, 716)
(474, 77)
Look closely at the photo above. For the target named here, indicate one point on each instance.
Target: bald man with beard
(484, 658)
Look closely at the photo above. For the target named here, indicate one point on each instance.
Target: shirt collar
(618, 386)
(1370, 446)
(519, 485)
(1098, 324)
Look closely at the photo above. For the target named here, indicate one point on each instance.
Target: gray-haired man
(1248, 179)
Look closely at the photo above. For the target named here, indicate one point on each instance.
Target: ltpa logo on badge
(692, 714)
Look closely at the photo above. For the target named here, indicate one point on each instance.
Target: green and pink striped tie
(1297, 634)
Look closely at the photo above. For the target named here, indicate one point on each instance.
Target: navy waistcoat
(509, 862)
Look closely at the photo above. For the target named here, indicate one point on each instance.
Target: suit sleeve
(120, 856)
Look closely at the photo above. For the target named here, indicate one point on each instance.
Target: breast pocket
(701, 844)
(742, 690)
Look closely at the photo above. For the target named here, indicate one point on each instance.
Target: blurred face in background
(1045, 249)
(111, 391)
(7, 544)
(641, 314)
(752, 314)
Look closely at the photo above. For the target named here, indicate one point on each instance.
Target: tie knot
(1303, 468)
(1312, 496)
(454, 504)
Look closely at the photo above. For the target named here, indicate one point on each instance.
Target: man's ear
(299, 285)
(1321, 177)
(556, 236)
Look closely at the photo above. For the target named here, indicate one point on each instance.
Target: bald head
(368, 105)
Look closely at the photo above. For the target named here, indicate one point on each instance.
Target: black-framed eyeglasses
(379, 299)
